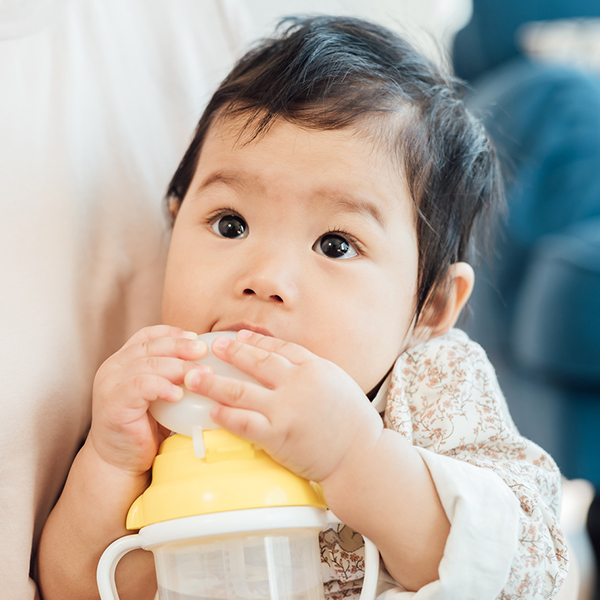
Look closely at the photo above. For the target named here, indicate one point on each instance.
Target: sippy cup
(223, 520)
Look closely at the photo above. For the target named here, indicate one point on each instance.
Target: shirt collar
(380, 400)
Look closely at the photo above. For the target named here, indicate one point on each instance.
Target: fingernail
(190, 335)
(221, 343)
(192, 379)
(178, 393)
(198, 345)
(214, 412)
(243, 334)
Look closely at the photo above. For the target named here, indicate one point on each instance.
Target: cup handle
(105, 574)
(369, 588)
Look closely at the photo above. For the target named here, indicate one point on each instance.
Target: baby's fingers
(224, 390)
(268, 368)
(293, 352)
(177, 347)
(135, 393)
(173, 369)
(153, 332)
(247, 424)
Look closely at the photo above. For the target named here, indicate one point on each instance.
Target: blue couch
(536, 308)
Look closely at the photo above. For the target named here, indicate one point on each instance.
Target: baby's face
(308, 236)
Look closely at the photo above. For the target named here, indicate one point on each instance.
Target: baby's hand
(150, 366)
(310, 413)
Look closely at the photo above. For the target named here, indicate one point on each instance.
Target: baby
(324, 211)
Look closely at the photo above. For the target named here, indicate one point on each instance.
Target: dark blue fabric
(556, 338)
(536, 311)
(557, 321)
(548, 126)
(488, 40)
(545, 122)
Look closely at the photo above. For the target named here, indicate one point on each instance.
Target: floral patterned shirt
(500, 491)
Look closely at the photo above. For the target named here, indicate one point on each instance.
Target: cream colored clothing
(98, 102)
(500, 491)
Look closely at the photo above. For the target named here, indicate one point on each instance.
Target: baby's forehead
(378, 134)
(341, 171)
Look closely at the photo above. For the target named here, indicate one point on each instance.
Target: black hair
(328, 73)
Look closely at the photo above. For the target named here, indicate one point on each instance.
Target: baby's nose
(273, 297)
(270, 279)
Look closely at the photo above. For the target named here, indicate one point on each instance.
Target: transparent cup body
(255, 566)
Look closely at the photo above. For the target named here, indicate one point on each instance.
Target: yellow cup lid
(233, 475)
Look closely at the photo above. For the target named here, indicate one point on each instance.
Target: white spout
(191, 415)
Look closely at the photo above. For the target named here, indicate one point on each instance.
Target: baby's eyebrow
(232, 178)
(341, 201)
(349, 203)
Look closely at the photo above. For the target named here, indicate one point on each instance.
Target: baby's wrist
(99, 496)
(352, 469)
(98, 463)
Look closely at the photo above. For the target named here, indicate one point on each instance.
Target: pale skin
(304, 242)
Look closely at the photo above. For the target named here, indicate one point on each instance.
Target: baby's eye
(333, 245)
(230, 226)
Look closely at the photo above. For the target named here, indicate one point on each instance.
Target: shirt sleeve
(500, 491)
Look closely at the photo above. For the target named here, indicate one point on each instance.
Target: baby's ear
(442, 311)
(174, 206)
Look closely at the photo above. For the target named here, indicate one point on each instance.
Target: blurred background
(532, 70)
